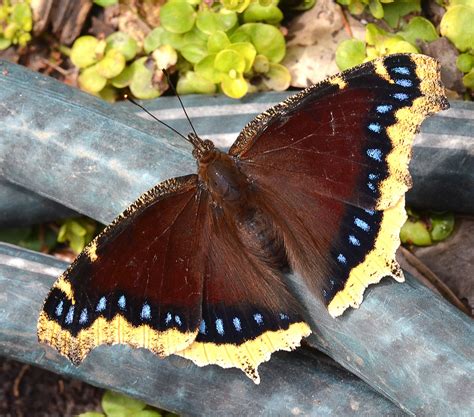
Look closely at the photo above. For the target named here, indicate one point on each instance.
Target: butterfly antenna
(131, 100)
(179, 98)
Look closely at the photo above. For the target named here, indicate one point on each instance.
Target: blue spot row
(341, 258)
(404, 82)
(375, 154)
(401, 96)
(146, 312)
(384, 108)
(101, 305)
(354, 241)
(401, 70)
(361, 224)
(220, 327)
(375, 127)
(83, 317)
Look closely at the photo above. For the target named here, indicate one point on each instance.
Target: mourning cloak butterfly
(196, 266)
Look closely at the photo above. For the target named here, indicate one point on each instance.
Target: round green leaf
(124, 78)
(194, 53)
(419, 28)
(105, 3)
(442, 225)
(465, 62)
(117, 405)
(209, 22)
(376, 9)
(4, 43)
(373, 34)
(267, 39)
(109, 93)
(111, 65)
(468, 79)
(90, 80)
(177, 17)
(192, 82)
(261, 64)
(235, 5)
(217, 41)
(247, 51)
(415, 233)
(205, 68)
(457, 25)
(141, 85)
(350, 53)
(153, 40)
(123, 43)
(229, 60)
(278, 78)
(91, 414)
(257, 13)
(86, 51)
(396, 45)
(234, 87)
(393, 11)
(21, 15)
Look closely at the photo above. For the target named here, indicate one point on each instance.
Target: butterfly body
(196, 266)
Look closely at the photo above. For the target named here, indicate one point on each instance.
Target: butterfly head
(202, 148)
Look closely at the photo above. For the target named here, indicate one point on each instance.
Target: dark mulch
(26, 391)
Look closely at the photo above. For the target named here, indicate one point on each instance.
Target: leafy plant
(425, 229)
(77, 233)
(117, 405)
(16, 22)
(37, 238)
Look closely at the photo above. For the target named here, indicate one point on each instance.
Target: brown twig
(345, 22)
(19, 377)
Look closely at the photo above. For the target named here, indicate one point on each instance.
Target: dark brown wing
(333, 161)
(139, 282)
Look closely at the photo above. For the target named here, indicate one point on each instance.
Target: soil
(26, 391)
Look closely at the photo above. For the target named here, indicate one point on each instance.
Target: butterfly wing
(341, 150)
(139, 282)
(248, 313)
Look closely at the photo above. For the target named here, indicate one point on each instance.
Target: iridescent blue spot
(325, 293)
(375, 154)
(375, 127)
(101, 305)
(370, 212)
(237, 324)
(354, 241)
(258, 318)
(284, 316)
(59, 308)
(122, 302)
(371, 186)
(361, 224)
(168, 318)
(178, 321)
(373, 176)
(220, 327)
(202, 327)
(404, 83)
(83, 317)
(69, 315)
(341, 258)
(401, 70)
(401, 96)
(384, 108)
(146, 312)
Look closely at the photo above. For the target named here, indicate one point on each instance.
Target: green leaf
(229, 60)
(124, 78)
(117, 405)
(376, 9)
(465, 62)
(255, 12)
(205, 68)
(267, 39)
(374, 34)
(15, 235)
(175, 40)
(261, 64)
(234, 87)
(147, 413)
(111, 65)
(87, 51)
(396, 45)
(247, 51)
(177, 17)
(109, 93)
(217, 41)
(278, 78)
(153, 40)
(105, 3)
(21, 15)
(419, 28)
(350, 53)
(90, 80)
(457, 25)
(192, 82)
(142, 85)
(442, 226)
(235, 5)
(123, 43)
(4, 43)
(468, 79)
(209, 22)
(91, 414)
(399, 8)
(194, 53)
(415, 233)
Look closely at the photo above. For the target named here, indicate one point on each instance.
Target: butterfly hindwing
(137, 282)
(341, 148)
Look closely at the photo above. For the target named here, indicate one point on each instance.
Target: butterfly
(196, 266)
